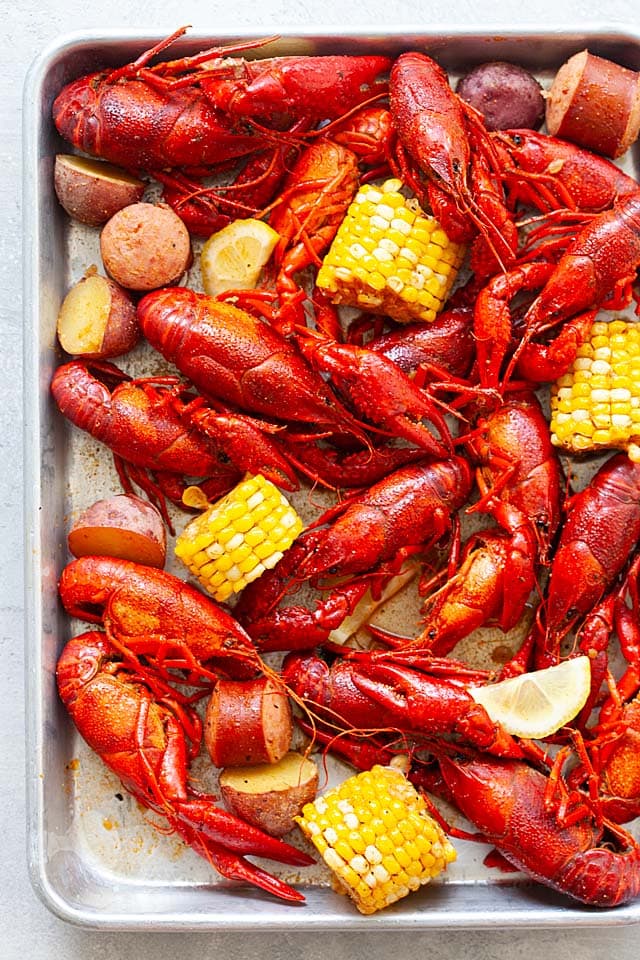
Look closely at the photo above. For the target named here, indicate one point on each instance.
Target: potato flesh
(83, 316)
(292, 771)
(99, 169)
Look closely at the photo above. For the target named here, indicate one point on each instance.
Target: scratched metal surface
(95, 858)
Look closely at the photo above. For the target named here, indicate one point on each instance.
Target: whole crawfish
(595, 271)
(198, 111)
(230, 354)
(509, 801)
(445, 140)
(365, 535)
(371, 693)
(158, 438)
(143, 741)
(601, 529)
(151, 614)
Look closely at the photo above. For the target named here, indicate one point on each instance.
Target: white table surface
(27, 929)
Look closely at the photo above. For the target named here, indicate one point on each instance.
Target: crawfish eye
(517, 139)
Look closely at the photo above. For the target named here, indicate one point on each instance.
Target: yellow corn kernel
(592, 406)
(236, 539)
(377, 865)
(386, 253)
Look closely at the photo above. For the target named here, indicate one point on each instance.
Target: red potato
(507, 95)
(145, 246)
(97, 319)
(91, 191)
(247, 722)
(121, 526)
(271, 795)
(596, 104)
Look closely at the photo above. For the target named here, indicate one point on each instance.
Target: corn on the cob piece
(596, 405)
(374, 833)
(390, 257)
(239, 537)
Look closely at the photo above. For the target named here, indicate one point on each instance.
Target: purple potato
(505, 94)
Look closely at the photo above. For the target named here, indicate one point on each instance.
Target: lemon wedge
(536, 704)
(233, 257)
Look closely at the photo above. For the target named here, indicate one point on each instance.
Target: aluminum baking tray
(94, 859)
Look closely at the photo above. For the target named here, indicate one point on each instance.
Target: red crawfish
(230, 354)
(143, 741)
(313, 202)
(198, 111)
(596, 271)
(508, 801)
(154, 615)
(549, 173)
(518, 463)
(380, 392)
(157, 438)
(367, 692)
(437, 350)
(443, 139)
(365, 535)
(601, 529)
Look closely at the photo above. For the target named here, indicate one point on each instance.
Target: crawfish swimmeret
(417, 430)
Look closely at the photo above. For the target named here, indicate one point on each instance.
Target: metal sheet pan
(94, 860)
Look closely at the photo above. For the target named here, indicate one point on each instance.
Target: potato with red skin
(145, 246)
(91, 191)
(97, 319)
(507, 95)
(122, 526)
(271, 795)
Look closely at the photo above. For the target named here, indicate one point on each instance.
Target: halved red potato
(91, 191)
(270, 795)
(121, 526)
(97, 319)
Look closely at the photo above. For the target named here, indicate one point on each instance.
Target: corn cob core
(596, 405)
(239, 537)
(373, 831)
(389, 257)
